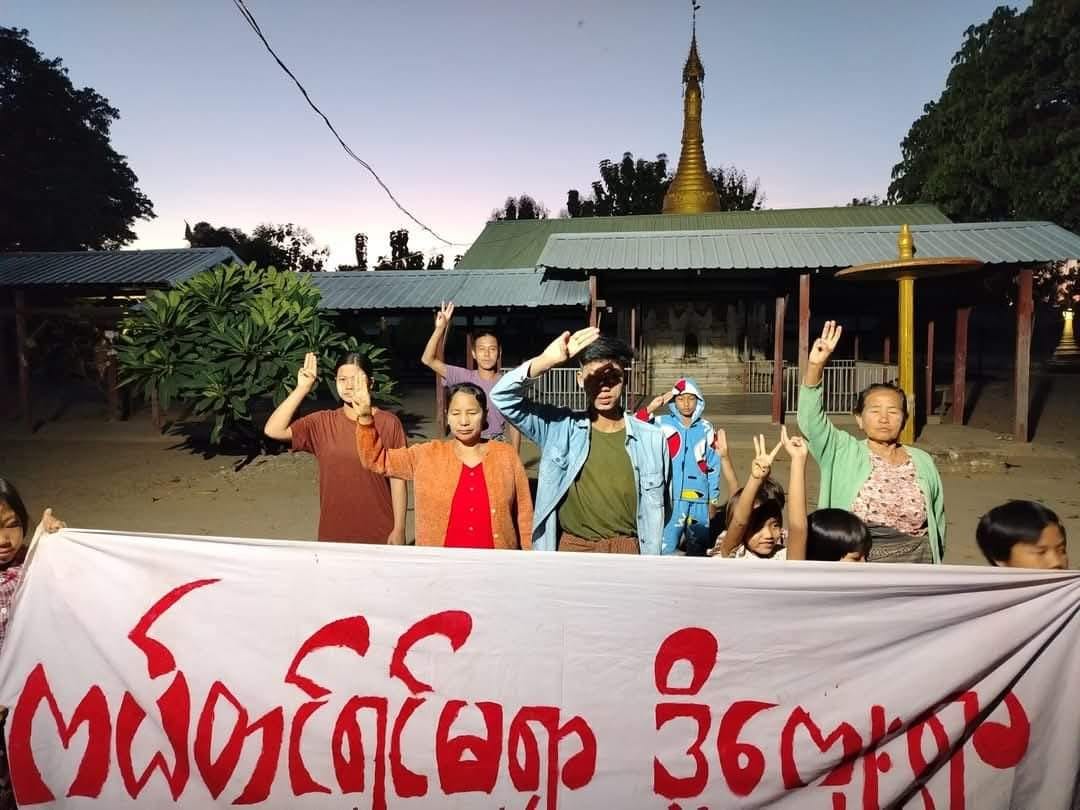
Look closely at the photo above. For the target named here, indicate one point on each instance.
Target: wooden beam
(804, 323)
(593, 298)
(778, 362)
(960, 353)
(23, 360)
(928, 407)
(1022, 381)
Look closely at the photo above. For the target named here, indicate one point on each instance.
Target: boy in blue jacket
(699, 459)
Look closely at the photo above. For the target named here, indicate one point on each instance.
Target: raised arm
(797, 451)
(397, 462)
(509, 394)
(660, 400)
(278, 425)
(744, 507)
(430, 357)
(731, 478)
(820, 432)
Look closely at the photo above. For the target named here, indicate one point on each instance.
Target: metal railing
(559, 386)
(842, 381)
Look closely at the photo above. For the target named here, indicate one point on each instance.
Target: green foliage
(286, 247)
(638, 187)
(1003, 140)
(62, 185)
(230, 336)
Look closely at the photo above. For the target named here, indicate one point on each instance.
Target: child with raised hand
(1023, 534)
(755, 525)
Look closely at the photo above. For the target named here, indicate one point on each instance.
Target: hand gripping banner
(164, 671)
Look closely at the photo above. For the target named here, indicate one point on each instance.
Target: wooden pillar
(960, 351)
(633, 327)
(928, 408)
(6, 410)
(886, 350)
(778, 363)
(22, 359)
(470, 363)
(593, 298)
(804, 323)
(1022, 382)
(906, 352)
(856, 347)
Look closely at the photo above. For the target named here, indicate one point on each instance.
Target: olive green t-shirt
(602, 501)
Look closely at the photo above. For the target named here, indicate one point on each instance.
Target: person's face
(765, 540)
(853, 556)
(465, 418)
(1047, 552)
(686, 404)
(348, 377)
(12, 534)
(486, 353)
(882, 416)
(603, 383)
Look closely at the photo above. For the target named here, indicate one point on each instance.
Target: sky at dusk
(459, 104)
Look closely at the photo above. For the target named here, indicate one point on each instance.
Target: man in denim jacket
(604, 480)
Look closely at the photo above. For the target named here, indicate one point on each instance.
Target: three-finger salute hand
(444, 315)
(308, 375)
(795, 446)
(825, 345)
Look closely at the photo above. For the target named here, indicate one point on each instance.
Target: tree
(638, 187)
(63, 186)
(228, 337)
(401, 258)
(1003, 139)
(436, 262)
(524, 207)
(285, 247)
(872, 200)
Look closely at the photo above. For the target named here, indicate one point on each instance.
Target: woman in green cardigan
(895, 489)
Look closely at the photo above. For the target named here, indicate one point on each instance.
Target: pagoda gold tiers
(692, 191)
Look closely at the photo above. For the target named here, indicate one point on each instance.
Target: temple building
(732, 298)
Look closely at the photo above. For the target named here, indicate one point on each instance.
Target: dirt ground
(124, 476)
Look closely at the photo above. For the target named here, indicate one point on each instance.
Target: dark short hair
(361, 360)
(607, 349)
(485, 333)
(1010, 523)
(832, 534)
(10, 497)
(473, 390)
(896, 389)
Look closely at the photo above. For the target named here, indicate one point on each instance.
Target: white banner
(154, 671)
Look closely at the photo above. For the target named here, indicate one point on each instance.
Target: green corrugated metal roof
(519, 243)
(781, 248)
(426, 289)
(135, 268)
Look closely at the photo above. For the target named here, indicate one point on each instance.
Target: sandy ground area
(124, 476)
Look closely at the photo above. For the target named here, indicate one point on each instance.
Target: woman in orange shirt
(470, 492)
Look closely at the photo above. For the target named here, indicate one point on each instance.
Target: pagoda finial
(692, 190)
(693, 69)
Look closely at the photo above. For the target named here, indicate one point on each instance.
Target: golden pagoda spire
(692, 191)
